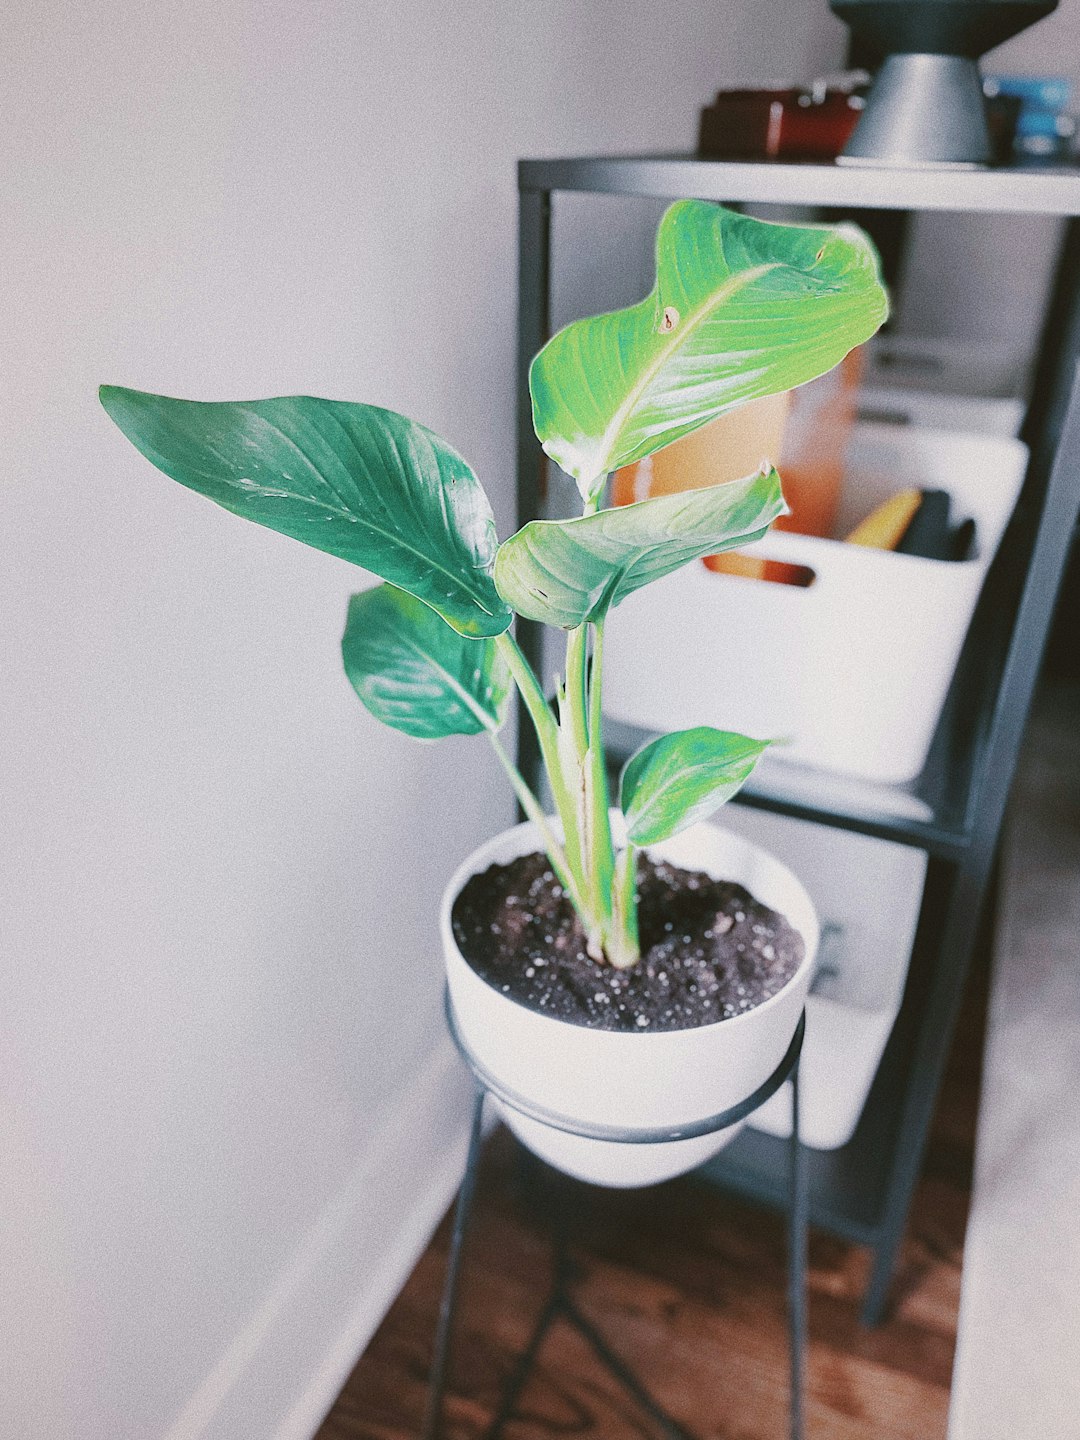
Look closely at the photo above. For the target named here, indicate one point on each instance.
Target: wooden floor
(686, 1284)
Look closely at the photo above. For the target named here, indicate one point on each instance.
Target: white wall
(227, 1118)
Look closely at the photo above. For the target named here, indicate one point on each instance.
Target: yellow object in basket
(884, 528)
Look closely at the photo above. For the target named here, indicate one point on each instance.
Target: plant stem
(625, 948)
(600, 851)
(573, 754)
(596, 734)
(621, 943)
(547, 733)
(532, 691)
(574, 732)
(534, 810)
(577, 682)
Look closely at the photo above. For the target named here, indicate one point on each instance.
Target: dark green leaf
(414, 672)
(363, 483)
(741, 308)
(564, 572)
(681, 778)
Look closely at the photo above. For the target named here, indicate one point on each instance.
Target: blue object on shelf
(1043, 125)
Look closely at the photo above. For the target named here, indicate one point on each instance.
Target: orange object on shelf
(807, 428)
(812, 461)
(726, 449)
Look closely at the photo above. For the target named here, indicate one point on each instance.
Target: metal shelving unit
(862, 1192)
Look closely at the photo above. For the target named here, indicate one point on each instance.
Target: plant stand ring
(560, 1303)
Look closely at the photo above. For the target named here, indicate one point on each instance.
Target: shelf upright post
(1052, 433)
(1056, 526)
(1059, 350)
(534, 327)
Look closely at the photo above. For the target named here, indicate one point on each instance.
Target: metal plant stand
(862, 1191)
(560, 1304)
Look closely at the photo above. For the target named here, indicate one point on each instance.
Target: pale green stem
(547, 733)
(601, 852)
(625, 949)
(534, 810)
(532, 691)
(573, 754)
(577, 662)
(574, 728)
(596, 731)
(574, 718)
(577, 681)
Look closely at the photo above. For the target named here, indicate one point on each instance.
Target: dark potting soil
(709, 950)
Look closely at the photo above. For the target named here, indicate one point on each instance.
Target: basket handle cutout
(751, 567)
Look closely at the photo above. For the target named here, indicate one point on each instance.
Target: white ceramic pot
(600, 1078)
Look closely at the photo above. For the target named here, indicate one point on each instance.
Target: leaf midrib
(611, 434)
(641, 551)
(395, 540)
(489, 722)
(682, 775)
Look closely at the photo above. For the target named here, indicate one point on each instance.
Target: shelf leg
(797, 1260)
(996, 766)
(534, 326)
(437, 1383)
(969, 894)
(1059, 351)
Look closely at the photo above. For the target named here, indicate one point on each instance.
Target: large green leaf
(358, 481)
(681, 778)
(413, 672)
(564, 572)
(741, 308)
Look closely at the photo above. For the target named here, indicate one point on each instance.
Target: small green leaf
(681, 778)
(564, 572)
(363, 483)
(741, 308)
(415, 673)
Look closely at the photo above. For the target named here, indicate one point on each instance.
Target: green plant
(740, 309)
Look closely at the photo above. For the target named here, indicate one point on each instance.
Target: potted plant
(614, 967)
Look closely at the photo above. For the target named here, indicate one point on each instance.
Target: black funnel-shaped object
(939, 27)
(926, 106)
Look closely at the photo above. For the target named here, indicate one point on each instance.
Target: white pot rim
(541, 1114)
(476, 861)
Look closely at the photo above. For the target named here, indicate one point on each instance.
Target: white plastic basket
(867, 893)
(853, 670)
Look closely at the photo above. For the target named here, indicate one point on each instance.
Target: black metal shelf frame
(863, 1191)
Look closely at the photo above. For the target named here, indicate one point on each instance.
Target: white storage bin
(851, 671)
(867, 894)
(980, 414)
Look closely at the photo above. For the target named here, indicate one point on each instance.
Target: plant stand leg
(560, 1304)
(564, 1307)
(437, 1384)
(523, 1368)
(797, 1261)
(622, 1372)
(541, 1197)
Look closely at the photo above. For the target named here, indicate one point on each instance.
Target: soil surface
(709, 950)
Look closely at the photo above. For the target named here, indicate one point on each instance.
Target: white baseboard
(284, 1369)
